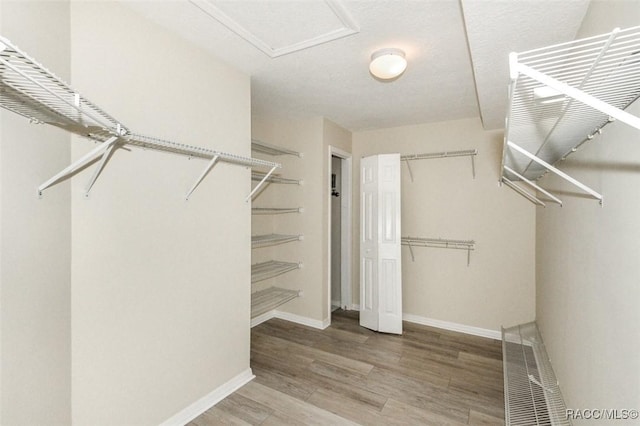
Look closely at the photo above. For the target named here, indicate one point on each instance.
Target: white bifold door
(380, 261)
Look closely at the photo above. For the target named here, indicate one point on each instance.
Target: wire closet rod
(32, 91)
(411, 242)
(445, 154)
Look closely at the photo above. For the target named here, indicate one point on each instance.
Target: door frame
(346, 191)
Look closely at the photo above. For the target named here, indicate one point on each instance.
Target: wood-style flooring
(347, 374)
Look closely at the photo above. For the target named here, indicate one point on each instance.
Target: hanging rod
(271, 210)
(32, 91)
(269, 149)
(411, 242)
(258, 241)
(429, 156)
(271, 269)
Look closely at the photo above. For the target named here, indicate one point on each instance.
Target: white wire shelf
(446, 154)
(269, 299)
(269, 149)
(29, 89)
(271, 269)
(258, 176)
(258, 241)
(562, 96)
(273, 210)
(531, 392)
(468, 245)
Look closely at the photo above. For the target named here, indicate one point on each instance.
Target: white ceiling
(458, 65)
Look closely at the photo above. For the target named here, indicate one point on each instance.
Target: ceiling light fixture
(387, 64)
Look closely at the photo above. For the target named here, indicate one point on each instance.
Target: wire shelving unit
(269, 299)
(531, 392)
(266, 240)
(269, 149)
(275, 210)
(562, 96)
(468, 245)
(271, 269)
(258, 176)
(446, 154)
(29, 89)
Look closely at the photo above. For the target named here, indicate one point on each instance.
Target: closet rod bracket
(78, 164)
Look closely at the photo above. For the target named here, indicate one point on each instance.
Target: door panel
(368, 244)
(381, 273)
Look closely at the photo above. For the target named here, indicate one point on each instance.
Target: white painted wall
(160, 295)
(587, 259)
(445, 201)
(35, 237)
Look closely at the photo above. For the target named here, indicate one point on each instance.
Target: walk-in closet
(322, 212)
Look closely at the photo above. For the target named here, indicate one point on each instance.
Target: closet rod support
(78, 164)
(413, 258)
(473, 166)
(534, 185)
(105, 158)
(206, 171)
(410, 171)
(522, 192)
(264, 179)
(558, 172)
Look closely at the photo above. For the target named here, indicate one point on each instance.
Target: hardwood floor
(347, 375)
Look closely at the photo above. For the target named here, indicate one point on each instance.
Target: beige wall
(160, 296)
(312, 137)
(587, 259)
(305, 136)
(445, 201)
(35, 284)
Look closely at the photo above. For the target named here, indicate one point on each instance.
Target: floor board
(347, 375)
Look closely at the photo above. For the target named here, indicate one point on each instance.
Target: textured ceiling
(331, 79)
(496, 28)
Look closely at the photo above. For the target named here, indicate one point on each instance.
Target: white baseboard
(298, 319)
(262, 318)
(452, 326)
(203, 404)
(446, 325)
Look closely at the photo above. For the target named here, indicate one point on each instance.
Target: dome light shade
(387, 64)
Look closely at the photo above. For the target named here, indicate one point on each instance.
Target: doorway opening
(339, 230)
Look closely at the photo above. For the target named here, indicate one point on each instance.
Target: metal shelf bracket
(558, 172)
(205, 172)
(81, 162)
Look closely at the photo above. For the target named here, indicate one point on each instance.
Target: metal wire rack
(271, 269)
(562, 96)
(258, 176)
(269, 149)
(274, 210)
(272, 239)
(269, 299)
(446, 154)
(468, 245)
(531, 392)
(29, 89)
